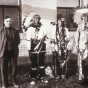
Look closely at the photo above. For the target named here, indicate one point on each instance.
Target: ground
(23, 78)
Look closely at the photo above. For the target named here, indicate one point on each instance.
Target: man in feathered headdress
(81, 45)
(37, 48)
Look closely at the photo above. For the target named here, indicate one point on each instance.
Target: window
(67, 14)
(12, 9)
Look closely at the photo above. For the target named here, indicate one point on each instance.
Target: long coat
(3, 40)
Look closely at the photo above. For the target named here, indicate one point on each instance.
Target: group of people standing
(36, 37)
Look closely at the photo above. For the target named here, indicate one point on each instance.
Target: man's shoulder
(42, 28)
(30, 29)
(15, 29)
(1, 29)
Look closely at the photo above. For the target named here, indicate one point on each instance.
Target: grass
(23, 78)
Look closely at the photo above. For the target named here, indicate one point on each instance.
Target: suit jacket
(3, 40)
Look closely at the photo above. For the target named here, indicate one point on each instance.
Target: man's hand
(76, 47)
(52, 41)
(67, 40)
(62, 64)
(86, 43)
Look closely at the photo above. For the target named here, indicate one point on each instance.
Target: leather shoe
(15, 85)
(33, 81)
(83, 81)
(44, 80)
(3, 87)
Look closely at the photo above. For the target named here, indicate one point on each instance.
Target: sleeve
(44, 32)
(41, 33)
(0, 33)
(53, 34)
(67, 33)
(18, 37)
(28, 33)
(76, 36)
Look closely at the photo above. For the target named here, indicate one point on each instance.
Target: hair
(59, 16)
(84, 15)
(34, 17)
(6, 17)
(30, 22)
(62, 24)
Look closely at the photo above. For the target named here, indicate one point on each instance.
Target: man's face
(36, 20)
(7, 22)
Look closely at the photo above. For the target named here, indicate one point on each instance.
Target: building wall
(10, 8)
(67, 3)
(9, 2)
(47, 10)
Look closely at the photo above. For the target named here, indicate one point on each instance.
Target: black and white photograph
(43, 43)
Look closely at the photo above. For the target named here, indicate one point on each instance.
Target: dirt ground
(23, 78)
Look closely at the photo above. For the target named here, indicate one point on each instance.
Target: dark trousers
(62, 70)
(57, 61)
(56, 64)
(37, 60)
(9, 56)
(37, 64)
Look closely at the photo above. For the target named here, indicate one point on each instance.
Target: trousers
(57, 61)
(8, 63)
(37, 65)
(37, 60)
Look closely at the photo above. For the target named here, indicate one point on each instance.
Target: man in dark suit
(9, 41)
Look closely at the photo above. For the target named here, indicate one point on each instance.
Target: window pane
(1, 18)
(9, 2)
